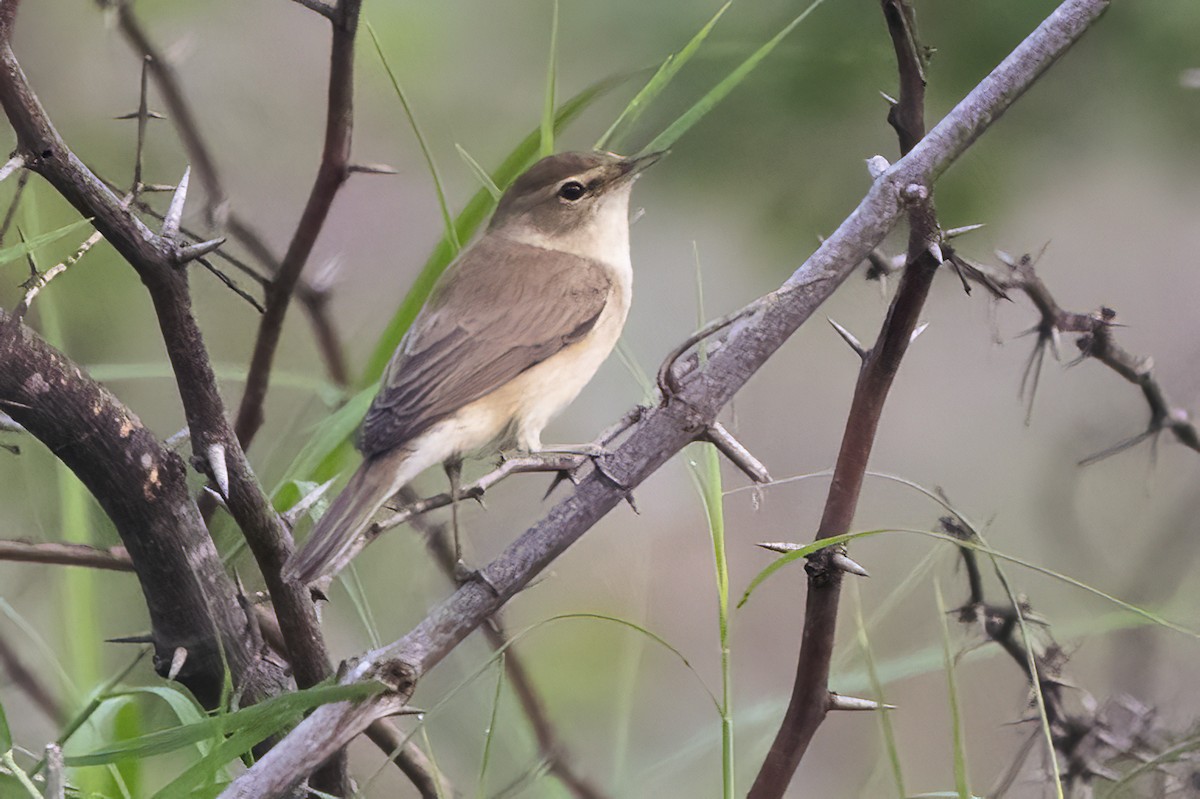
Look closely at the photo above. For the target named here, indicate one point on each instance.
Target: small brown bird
(511, 333)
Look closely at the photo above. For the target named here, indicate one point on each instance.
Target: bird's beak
(634, 165)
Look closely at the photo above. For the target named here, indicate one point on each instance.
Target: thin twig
(53, 552)
(39, 281)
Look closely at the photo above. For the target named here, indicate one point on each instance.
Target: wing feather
(500, 309)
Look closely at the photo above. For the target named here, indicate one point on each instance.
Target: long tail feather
(332, 541)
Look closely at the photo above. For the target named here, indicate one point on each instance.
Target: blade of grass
(451, 232)
(1170, 755)
(271, 715)
(481, 788)
(546, 146)
(719, 92)
(884, 714)
(479, 172)
(660, 80)
(35, 243)
(961, 780)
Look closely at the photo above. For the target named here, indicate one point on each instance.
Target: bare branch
(113, 559)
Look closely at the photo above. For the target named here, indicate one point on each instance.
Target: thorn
(178, 438)
(843, 562)
(136, 115)
(920, 329)
(215, 455)
(372, 169)
(736, 452)
(877, 165)
(174, 215)
(216, 495)
(780, 547)
(157, 187)
(935, 251)
(12, 165)
(849, 338)
(177, 661)
(955, 232)
(890, 100)
(131, 639)
(193, 251)
(842, 702)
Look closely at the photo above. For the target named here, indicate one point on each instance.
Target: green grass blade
(481, 788)
(468, 221)
(1171, 755)
(451, 232)
(479, 172)
(884, 714)
(660, 80)
(35, 243)
(6, 741)
(961, 780)
(797, 554)
(271, 715)
(546, 146)
(719, 92)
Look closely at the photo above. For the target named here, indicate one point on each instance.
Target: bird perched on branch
(511, 333)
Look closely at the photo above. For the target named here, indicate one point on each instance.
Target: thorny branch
(219, 210)
(811, 699)
(663, 431)
(159, 261)
(1091, 739)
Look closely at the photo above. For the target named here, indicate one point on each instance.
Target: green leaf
(451, 234)
(269, 716)
(546, 146)
(961, 780)
(797, 554)
(666, 73)
(719, 92)
(5, 733)
(479, 172)
(34, 244)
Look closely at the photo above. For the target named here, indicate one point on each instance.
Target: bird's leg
(453, 469)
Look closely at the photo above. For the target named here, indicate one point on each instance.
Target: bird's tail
(333, 541)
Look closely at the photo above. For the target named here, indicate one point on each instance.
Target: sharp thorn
(955, 232)
(131, 639)
(780, 547)
(193, 251)
(842, 702)
(734, 450)
(890, 100)
(935, 251)
(920, 329)
(629, 500)
(215, 454)
(156, 187)
(177, 438)
(877, 165)
(849, 338)
(843, 562)
(372, 169)
(174, 216)
(137, 115)
(177, 661)
(12, 165)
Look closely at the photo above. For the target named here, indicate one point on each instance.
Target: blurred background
(1098, 165)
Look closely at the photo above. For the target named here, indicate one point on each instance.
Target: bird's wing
(500, 309)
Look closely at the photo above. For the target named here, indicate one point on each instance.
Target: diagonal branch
(331, 174)
(665, 430)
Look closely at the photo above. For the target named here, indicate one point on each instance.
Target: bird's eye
(572, 190)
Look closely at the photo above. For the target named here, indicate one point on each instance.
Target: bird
(511, 333)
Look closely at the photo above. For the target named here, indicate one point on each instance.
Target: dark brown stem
(216, 448)
(216, 199)
(331, 174)
(810, 699)
(143, 488)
